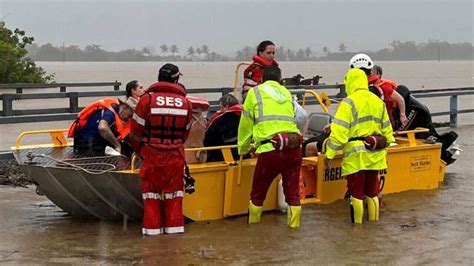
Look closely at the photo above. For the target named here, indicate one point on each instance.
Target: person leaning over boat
(223, 126)
(100, 124)
(160, 126)
(361, 129)
(269, 120)
(253, 74)
(391, 97)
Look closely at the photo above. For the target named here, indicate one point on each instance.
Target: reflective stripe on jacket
(268, 110)
(360, 114)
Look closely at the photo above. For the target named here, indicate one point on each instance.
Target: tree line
(397, 50)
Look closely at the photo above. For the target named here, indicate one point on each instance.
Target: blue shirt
(90, 132)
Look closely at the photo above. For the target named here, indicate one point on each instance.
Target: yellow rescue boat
(108, 187)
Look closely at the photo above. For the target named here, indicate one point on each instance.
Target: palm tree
(342, 48)
(205, 49)
(174, 49)
(191, 51)
(326, 51)
(164, 49)
(198, 51)
(308, 52)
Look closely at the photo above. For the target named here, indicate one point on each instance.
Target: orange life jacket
(385, 82)
(84, 115)
(389, 83)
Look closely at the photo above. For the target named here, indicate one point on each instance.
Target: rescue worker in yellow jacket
(268, 119)
(361, 129)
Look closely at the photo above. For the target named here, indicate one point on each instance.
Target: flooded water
(416, 227)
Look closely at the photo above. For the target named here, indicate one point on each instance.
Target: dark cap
(169, 72)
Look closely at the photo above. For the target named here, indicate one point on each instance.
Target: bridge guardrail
(9, 116)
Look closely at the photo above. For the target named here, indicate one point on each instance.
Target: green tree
(326, 51)
(15, 67)
(174, 49)
(308, 52)
(342, 48)
(191, 51)
(164, 49)
(205, 49)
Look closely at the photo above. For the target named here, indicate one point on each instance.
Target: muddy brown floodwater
(416, 227)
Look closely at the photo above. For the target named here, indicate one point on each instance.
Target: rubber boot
(294, 216)
(254, 213)
(373, 209)
(357, 210)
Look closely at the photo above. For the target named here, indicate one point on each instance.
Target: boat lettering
(333, 174)
(421, 163)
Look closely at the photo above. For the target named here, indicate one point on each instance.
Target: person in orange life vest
(197, 130)
(160, 126)
(391, 97)
(253, 74)
(105, 126)
(222, 128)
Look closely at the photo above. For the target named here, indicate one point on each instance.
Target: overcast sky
(228, 25)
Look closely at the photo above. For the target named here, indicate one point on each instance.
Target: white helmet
(361, 61)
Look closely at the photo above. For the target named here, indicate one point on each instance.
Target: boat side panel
(409, 168)
(207, 202)
(77, 186)
(118, 198)
(55, 191)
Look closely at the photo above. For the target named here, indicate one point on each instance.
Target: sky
(229, 25)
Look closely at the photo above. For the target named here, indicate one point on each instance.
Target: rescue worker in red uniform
(390, 97)
(160, 126)
(253, 74)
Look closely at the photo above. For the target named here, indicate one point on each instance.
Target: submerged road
(416, 227)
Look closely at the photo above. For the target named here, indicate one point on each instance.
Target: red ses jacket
(162, 118)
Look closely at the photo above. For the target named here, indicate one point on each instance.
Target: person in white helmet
(387, 93)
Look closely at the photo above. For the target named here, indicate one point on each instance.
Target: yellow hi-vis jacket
(360, 114)
(268, 110)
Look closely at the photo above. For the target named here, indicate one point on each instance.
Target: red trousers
(269, 165)
(364, 182)
(162, 191)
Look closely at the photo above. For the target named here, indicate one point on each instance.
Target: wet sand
(416, 227)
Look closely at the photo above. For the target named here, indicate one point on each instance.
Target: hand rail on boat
(322, 98)
(236, 79)
(226, 152)
(411, 134)
(57, 136)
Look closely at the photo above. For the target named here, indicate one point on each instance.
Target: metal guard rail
(8, 115)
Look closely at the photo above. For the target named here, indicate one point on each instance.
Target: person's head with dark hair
(134, 89)
(228, 100)
(377, 70)
(271, 73)
(266, 49)
(169, 73)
